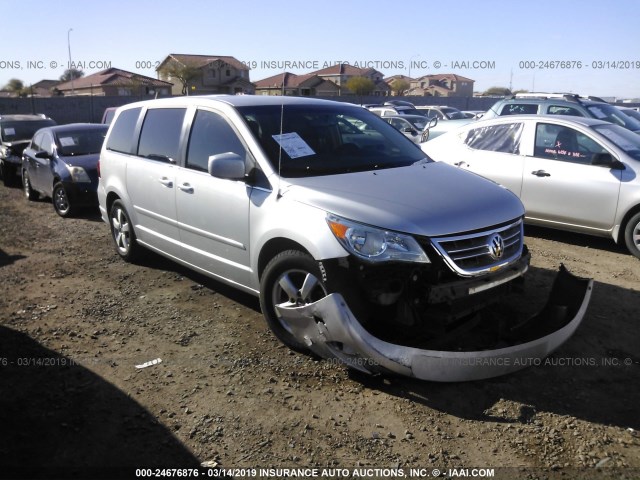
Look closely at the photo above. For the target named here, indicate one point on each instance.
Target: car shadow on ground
(577, 239)
(8, 259)
(63, 419)
(593, 376)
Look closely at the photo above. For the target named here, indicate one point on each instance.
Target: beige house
(114, 82)
(298, 85)
(442, 85)
(396, 78)
(208, 74)
(342, 72)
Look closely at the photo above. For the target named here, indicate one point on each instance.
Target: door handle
(166, 182)
(540, 173)
(185, 187)
(460, 164)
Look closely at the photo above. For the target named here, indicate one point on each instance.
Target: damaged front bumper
(329, 328)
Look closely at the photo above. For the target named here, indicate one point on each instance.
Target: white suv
(352, 238)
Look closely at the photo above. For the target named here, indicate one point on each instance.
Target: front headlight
(374, 244)
(78, 174)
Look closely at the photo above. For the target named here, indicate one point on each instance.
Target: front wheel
(292, 279)
(632, 235)
(61, 203)
(122, 232)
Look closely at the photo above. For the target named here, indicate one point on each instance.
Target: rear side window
(160, 135)
(563, 110)
(121, 138)
(519, 109)
(496, 138)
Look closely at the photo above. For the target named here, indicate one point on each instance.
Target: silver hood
(429, 199)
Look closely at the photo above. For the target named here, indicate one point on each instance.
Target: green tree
(497, 91)
(16, 86)
(185, 73)
(71, 74)
(400, 87)
(360, 85)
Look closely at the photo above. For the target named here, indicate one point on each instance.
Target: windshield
(611, 114)
(80, 142)
(22, 130)
(453, 113)
(623, 138)
(311, 140)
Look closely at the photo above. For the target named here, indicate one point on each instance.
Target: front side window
(160, 135)
(36, 142)
(210, 135)
(503, 138)
(519, 109)
(557, 142)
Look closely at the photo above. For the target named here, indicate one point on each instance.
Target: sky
(589, 47)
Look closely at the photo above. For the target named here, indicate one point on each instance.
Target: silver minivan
(359, 246)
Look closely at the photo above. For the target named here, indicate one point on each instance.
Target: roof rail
(544, 95)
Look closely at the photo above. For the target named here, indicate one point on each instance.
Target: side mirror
(607, 161)
(433, 121)
(229, 166)
(42, 154)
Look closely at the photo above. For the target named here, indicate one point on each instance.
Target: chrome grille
(481, 252)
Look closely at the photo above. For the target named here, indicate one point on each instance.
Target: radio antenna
(281, 128)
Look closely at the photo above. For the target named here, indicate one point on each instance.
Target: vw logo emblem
(496, 246)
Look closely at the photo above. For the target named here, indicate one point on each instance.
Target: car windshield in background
(17, 131)
(625, 139)
(453, 113)
(80, 142)
(306, 141)
(611, 114)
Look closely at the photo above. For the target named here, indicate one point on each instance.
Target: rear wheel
(291, 279)
(122, 232)
(61, 203)
(632, 235)
(29, 193)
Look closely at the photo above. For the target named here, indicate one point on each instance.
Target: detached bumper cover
(329, 329)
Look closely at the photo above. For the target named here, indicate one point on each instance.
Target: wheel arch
(623, 224)
(275, 246)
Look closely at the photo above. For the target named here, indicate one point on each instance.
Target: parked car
(414, 127)
(359, 247)
(442, 112)
(62, 163)
(571, 173)
(15, 134)
(393, 110)
(632, 112)
(561, 104)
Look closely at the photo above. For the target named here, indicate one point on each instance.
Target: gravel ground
(75, 320)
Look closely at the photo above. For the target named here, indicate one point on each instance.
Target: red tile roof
(113, 76)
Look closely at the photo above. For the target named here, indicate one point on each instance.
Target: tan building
(205, 74)
(298, 85)
(396, 78)
(342, 72)
(442, 85)
(114, 82)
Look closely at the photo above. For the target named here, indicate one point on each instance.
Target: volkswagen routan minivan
(359, 246)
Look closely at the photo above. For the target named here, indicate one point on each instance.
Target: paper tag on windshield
(9, 131)
(294, 145)
(67, 141)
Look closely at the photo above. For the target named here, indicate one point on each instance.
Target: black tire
(632, 235)
(29, 193)
(124, 237)
(8, 175)
(296, 268)
(61, 203)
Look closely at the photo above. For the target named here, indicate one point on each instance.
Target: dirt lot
(75, 320)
